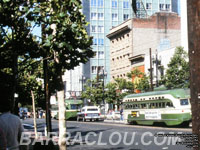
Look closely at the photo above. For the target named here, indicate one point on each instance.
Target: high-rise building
(102, 15)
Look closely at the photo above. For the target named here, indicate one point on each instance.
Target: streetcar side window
(143, 106)
(169, 104)
(136, 105)
(184, 102)
(163, 105)
(160, 105)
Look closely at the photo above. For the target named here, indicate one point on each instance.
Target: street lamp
(104, 74)
(82, 80)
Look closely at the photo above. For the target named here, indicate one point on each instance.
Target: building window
(95, 55)
(100, 69)
(101, 54)
(126, 16)
(93, 16)
(100, 42)
(138, 5)
(125, 4)
(93, 3)
(100, 29)
(162, 6)
(100, 16)
(114, 17)
(114, 3)
(94, 69)
(100, 3)
(94, 41)
(93, 28)
(148, 5)
(167, 6)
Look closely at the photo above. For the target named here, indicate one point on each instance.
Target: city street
(103, 136)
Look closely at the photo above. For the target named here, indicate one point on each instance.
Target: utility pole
(156, 68)
(151, 70)
(193, 8)
(103, 91)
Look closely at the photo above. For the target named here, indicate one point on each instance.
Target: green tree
(16, 40)
(94, 92)
(177, 74)
(144, 84)
(122, 84)
(30, 78)
(65, 44)
(124, 88)
(111, 93)
(142, 80)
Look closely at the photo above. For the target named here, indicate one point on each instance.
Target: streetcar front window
(73, 106)
(184, 102)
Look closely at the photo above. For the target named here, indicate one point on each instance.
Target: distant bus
(171, 107)
(72, 107)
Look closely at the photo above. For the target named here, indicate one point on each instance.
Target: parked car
(113, 115)
(89, 113)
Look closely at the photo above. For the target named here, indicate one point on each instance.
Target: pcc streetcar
(171, 107)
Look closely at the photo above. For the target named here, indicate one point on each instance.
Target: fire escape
(139, 9)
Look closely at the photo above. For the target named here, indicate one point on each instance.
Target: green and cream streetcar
(171, 107)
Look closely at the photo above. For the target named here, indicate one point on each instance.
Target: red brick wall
(159, 21)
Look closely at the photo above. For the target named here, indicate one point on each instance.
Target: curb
(115, 121)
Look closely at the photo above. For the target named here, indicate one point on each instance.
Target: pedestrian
(41, 114)
(2, 140)
(121, 114)
(9, 123)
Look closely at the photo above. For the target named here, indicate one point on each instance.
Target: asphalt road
(112, 136)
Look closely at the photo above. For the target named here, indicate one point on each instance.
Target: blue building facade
(102, 15)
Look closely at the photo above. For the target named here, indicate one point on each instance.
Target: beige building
(130, 41)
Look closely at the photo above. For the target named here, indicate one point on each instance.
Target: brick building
(130, 41)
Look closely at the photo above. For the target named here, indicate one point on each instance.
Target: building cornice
(118, 32)
(136, 57)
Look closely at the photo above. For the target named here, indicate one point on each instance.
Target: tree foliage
(113, 92)
(16, 39)
(94, 92)
(141, 80)
(177, 74)
(30, 78)
(64, 43)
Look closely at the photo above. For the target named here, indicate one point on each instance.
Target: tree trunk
(193, 9)
(62, 122)
(34, 115)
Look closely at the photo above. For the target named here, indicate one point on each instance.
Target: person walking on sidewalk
(121, 115)
(9, 123)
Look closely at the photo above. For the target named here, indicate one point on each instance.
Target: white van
(89, 113)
